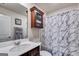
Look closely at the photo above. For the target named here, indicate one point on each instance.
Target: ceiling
(16, 7)
(48, 7)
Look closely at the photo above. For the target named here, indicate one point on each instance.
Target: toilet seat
(45, 53)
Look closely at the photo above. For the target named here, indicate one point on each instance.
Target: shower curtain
(61, 33)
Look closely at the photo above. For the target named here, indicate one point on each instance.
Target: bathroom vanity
(24, 49)
(33, 52)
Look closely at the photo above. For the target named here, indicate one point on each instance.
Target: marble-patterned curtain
(61, 33)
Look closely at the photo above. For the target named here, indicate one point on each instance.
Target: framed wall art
(18, 21)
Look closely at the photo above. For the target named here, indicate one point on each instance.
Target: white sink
(20, 47)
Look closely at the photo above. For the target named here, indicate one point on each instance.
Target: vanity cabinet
(33, 52)
(36, 18)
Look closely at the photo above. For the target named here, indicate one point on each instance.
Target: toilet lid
(45, 53)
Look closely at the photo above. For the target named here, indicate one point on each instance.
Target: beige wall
(33, 33)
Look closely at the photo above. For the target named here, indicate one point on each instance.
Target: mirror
(13, 22)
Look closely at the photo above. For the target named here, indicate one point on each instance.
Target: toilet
(45, 53)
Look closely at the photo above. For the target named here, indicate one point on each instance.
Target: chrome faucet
(17, 43)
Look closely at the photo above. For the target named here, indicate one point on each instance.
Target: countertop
(20, 49)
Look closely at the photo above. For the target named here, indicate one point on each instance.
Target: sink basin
(20, 47)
